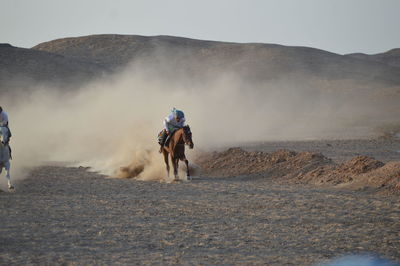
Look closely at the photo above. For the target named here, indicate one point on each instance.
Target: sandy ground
(382, 149)
(62, 215)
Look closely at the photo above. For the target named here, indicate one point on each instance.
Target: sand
(61, 215)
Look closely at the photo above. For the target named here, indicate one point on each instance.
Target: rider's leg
(163, 139)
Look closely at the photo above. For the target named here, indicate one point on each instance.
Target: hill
(391, 57)
(21, 67)
(75, 60)
(255, 61)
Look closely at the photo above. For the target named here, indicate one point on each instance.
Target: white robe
(170, 123)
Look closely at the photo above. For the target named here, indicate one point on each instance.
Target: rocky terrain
(351, 165)
(361, 172)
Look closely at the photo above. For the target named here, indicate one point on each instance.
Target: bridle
(186, 132)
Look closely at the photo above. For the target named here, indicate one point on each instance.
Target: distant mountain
(391, 57)
(256, 61)
(71, 61)
(19, 67)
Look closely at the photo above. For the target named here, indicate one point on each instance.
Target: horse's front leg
(166, 161)
(8, 176)
(187, 170)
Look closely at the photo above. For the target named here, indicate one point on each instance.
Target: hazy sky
(341, 26)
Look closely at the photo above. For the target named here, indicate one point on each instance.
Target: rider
(172, 122)
(4, 122)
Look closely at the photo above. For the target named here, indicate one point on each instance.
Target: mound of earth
(282, 163)
(305, 167)
(343, 173)
(385, 178)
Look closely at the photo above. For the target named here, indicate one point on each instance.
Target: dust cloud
(112, 123)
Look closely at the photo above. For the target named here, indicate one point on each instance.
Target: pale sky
(340, 26)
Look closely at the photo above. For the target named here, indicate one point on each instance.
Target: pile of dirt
(360, 165)
(305, 167)
(343, 173)
(281, 163)
(385, 178)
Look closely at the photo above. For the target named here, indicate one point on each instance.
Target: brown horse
(176, 148)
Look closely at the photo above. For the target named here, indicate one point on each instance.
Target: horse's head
(187, 136)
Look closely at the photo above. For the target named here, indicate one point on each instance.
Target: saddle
(161, 136)
(169, 138)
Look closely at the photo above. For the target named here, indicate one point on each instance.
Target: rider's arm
(166, 124)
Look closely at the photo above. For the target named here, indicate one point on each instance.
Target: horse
(5, 154)
(176, 148)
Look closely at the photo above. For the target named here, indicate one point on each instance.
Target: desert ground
(71, 215)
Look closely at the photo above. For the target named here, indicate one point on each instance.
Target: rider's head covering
(1, 109)
(178, 113)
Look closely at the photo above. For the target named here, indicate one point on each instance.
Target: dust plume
(111, 124)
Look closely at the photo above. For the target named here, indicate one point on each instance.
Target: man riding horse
(173, 139)
(172, 122)
(5, 150)
(4, 122)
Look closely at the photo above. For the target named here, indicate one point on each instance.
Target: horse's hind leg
(7, 167)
